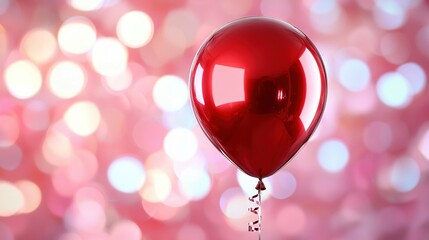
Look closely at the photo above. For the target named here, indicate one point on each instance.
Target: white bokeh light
(333, 155)
(109, 57)
(180, 144)
(283, 184)
(389, 15)
(135, 29)
(158, 186)
(66, 79)
(354, 75)
(126, 174)
(404, 174)
(325, 15)
(23, 79)
(170, 93)
(11, 199)
(120, 82)
(77, 35)
(86, 5)
(83, 118)
(424, 144)
(39, 45)
(415, 75)
(394, 90)
(232, 202)
(194, 183)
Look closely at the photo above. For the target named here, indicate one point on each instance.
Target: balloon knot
(260, 186)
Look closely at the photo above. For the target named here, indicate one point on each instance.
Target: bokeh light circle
(333, 155)
(423, 145)
(135, 29)
(83, 118)
(354, 75)
(415, 75)
(126, 174)
(232, 202)
(66, 79)
(23, 79)
(109, 57)
(120, 82)
(85, 5)
(158, 186)
(180, 144)
(283, 185)
(32, 195)
(170, 93)
(39, 45)
(404, 175)
(11, 199)
(394, 90)
(389, 15)
(194, 183)
(77, 35)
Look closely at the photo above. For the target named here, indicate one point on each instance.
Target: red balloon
(258, 90)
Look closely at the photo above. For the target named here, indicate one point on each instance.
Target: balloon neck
(260, 186)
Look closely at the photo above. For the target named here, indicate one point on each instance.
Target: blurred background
(98, 140)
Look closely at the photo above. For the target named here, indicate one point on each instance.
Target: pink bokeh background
(98, 139)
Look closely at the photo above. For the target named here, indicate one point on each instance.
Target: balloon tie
(255, 226)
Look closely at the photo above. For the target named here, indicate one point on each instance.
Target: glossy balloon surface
(258, 90)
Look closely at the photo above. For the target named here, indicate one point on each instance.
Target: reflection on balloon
(258, 89)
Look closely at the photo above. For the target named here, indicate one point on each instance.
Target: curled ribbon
(255, 226)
